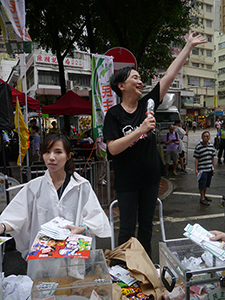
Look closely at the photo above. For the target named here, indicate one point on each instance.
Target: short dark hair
(177, 121)
(204, 132)
(119, 77)
(36, 128)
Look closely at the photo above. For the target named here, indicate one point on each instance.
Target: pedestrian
(36, 141)
(218, 124)
(60, 192)
(221, 142)
(204, 166)
(54, 128)
(181, 148)
(5, 147)
(194, 125)
(136, 161)
(171, 140)
(101, 157)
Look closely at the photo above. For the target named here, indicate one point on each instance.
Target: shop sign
(49, 59)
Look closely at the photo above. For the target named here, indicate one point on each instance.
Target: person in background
(36, 141)
(172, 141)
(6, 143)
(204, 166)
(194, 125)
(87, 137)
(181, 149)
(218, 124)
(221, 143)
(54, 128)
(60, 192)
(136, 161)
(72, 129)
(101, 157)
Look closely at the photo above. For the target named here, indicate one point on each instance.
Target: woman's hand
(75, 229)
(148, 124)
(196, 40)
(218, 235)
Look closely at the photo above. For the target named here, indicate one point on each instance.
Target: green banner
(102, 95)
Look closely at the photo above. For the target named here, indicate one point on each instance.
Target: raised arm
(177, 64)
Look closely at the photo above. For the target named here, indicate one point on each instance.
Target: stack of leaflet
(201, 236)
(55, 228)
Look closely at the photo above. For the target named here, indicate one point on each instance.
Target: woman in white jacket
(60, 192)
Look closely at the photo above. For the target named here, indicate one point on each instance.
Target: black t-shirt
(140, 163)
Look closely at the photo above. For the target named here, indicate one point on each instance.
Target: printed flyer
(74, 245)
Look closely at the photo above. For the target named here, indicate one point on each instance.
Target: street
(179, 208)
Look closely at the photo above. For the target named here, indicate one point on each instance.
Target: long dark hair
(50, 140)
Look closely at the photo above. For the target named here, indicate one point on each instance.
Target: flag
(102, 95)
(12, 22)
(23, 133)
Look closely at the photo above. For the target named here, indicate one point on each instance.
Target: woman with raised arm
(136, 161)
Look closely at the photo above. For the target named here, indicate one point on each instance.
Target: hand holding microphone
(150, 112)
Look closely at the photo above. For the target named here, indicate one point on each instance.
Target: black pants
(222, 149)
(141, 203)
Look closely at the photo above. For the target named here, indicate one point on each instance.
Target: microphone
(149, 112)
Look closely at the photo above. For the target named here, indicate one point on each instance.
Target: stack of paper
(55, 228)
(201, 236)
(122, 274)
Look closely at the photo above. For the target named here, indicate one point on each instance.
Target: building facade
(42, 75)
(200, 75)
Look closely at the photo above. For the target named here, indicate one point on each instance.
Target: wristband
(4, 228)
(85, 227)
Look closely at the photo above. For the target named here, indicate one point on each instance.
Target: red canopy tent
(32, 104)
(69, 104)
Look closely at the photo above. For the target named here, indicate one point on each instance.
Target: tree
(56, 26)
(146, 28)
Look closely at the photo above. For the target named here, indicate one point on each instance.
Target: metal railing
(89, 170)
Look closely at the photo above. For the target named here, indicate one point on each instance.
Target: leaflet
(201, 236)
(55, 228)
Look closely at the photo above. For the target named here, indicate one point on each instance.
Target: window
(202, 51)
(208, 82)
(193, 80)
(221, 71)
(221, 58)
(196, 100)
(209, 53)
(203, 66)
(209, 67)
(84, 80)
(196, 65)
(209, 38)
(30, 79)
(221, 83)
(222, 45)
(209, 23)
(208, 8)
(195, 51)
(48, 78)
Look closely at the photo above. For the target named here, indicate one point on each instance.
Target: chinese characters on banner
(12, 20)
(53, 60)
(102, 95)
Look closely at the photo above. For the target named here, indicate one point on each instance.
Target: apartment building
(219, 57)
(42, 75)
(199, 73)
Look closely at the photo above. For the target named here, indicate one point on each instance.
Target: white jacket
(38, 203)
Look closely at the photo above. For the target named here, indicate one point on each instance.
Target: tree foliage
(144, 27)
